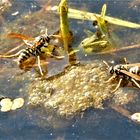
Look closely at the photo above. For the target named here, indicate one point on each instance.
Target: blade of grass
(83, 15)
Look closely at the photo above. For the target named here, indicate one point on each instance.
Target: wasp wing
(27, 40)
(132, 75)
(20, 36)
(133, 64)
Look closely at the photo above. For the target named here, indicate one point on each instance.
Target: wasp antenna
(125, 60)
(106, 63)
(46, 32)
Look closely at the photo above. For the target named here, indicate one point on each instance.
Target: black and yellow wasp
(126, 73)
(37, 48)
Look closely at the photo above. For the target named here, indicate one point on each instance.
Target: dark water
(95, 124)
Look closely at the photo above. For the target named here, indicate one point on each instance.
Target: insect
(125, 73)
(37, 48)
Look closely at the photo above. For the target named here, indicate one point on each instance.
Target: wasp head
(111, 70)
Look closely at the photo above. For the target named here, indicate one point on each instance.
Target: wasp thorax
(115, 69)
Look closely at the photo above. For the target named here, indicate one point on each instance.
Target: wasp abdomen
(25, 54)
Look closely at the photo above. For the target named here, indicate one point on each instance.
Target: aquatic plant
(65, 34)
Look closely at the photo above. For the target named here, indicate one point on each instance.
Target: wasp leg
(39, 65)
(135, 82)
(14, 49)
(29, 43)
(111, 78)
(118, 85)
(11, 56)
(106, 64)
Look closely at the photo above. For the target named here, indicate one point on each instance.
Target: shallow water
(29, 123)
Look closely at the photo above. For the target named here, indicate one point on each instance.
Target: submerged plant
(65, 33)
(64, 25)
(100, 40)
(105, 41)
(84, 15)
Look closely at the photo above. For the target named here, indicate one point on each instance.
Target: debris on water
(136, 117)
(75, 90)
(4, 4)
(17, 103)
(7, 104)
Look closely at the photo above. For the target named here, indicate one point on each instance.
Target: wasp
(37, 48)
(125, 73)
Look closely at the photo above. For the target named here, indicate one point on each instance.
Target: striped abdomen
(35, 50)
(25, 54)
